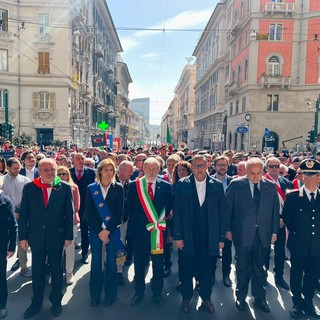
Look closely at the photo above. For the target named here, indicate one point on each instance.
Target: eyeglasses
(48, 170)
(87, 164)
(273, 166)
(199, 166)
(62, 174)
(182, 170)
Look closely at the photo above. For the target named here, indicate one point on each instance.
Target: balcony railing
(279, 7)
(275, 81)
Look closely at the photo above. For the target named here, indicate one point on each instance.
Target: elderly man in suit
(198, 230)
(253, 223)
(82, 177)
(46, 225)
(301, 215)
(149, 202)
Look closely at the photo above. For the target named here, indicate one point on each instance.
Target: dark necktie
(256, 195)
(150, 191)
(79, 174)
(312, 200)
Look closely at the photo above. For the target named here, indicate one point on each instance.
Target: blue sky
(156, 58)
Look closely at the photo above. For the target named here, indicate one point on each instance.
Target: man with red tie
(82, 177)
(148, 204)
(46, 225)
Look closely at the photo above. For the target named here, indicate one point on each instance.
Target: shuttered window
(44, 101)
(43, 62)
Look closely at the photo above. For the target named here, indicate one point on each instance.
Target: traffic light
(311, 136)
(11, 130)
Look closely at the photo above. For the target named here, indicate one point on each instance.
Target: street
(76, 301)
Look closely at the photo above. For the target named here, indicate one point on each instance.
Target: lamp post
(316, 117)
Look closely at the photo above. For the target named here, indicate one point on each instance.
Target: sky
(154, 54)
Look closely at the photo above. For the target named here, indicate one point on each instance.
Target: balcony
(275, 81)
(98, 51)
(278, 7)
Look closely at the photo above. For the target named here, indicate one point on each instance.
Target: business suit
(226, 251)
(108, 278)
(252, 231)
(141, 237)
(302, 219)
(201, 228)
(23, 172)
(88, 176)
(8, 231)
(46, 228)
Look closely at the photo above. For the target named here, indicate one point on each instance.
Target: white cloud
(152, 55)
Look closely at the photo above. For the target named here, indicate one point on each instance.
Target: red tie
(45, 196)
(79, 174)
(150, 191)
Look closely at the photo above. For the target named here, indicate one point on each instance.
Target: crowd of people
(134, 205)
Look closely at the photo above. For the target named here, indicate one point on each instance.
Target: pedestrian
(104, 210)
(253, 223)
(149, 202)
(8, 230)
(46, 225)
(198, 230)
(301, 215)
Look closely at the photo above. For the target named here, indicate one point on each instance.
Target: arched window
(274, 66)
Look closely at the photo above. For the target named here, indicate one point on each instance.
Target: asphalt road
(76, 301)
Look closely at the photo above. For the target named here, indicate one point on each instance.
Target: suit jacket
(303, 223)
(244, 220)
(46, 227)
(8, 225)
(88, 177)
(114, 201)
(23, 172)
(183, 213)
(137, 218)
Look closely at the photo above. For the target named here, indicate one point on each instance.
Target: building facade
(257, 69)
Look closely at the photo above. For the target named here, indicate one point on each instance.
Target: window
(3, 20)
(275, 32)
(43, 24)
(244, 104)
(272, 102)
(44, 101)
(274, 66)
(43, 63)
(3, 60)
(231, 108)
(2, 98)
(237, 106)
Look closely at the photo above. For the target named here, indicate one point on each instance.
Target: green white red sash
(281, 194)
(157, 223)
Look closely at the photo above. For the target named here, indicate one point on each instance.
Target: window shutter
(52, 97)
(46, 62)
(35, 100)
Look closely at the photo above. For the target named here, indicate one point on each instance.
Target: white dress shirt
(201, 190)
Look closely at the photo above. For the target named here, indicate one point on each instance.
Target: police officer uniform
(301, 215)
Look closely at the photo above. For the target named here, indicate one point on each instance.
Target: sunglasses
(62, 174)
(273, 166)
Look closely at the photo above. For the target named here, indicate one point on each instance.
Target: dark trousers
(106, 279)
(39, 274)
(304, 275)
(3, 280)
(226, 259)
(84, 229)
(279, 253)
(129, 247)
(141, 258)
(250, 266)
(199, 265)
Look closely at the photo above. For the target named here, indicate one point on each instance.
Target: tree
(23, 139)
(58, 143)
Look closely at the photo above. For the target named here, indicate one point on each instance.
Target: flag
(168, 135)
(266, 132)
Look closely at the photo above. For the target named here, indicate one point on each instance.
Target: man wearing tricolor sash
(282, 186)
(148, 204)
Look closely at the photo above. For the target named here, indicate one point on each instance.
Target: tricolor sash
(281, 194)
(106, 216)
(157, 223)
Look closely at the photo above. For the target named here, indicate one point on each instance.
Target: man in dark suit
(148, 204)
(282, 185)
(301, 215)
(29, 165)
(46, 225)
(221, 168)
(82, 177)
(253, 223)
(198, 230)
